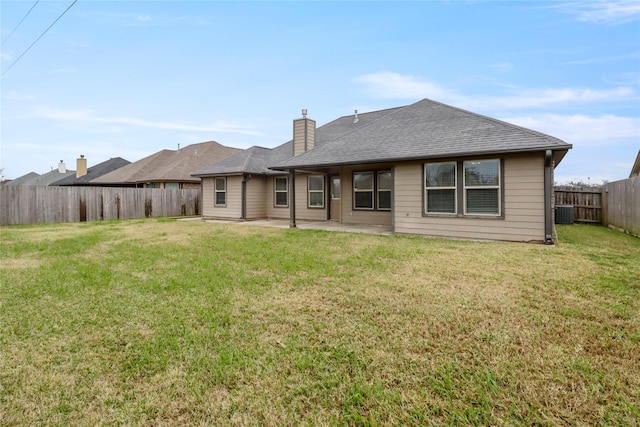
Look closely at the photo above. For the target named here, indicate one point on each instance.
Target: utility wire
(16, 27)
(39, 37)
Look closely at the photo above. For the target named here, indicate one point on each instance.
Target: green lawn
(163, 322)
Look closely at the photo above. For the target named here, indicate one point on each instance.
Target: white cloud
(608, 12)
(630, 78)
(86, 116)
(632, 55)
(389, 85)
(16, 96)
(580, 129)
(503, 68)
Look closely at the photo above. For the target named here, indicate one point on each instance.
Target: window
(281, 188)
(384, 190)
(372, 190)
(172, 185)
(471, 187)
(440, 187)
(482, 187)
(315, 186)
(335, 188)
(363, 190)
(220, 192)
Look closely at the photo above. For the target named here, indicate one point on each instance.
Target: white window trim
(216, 191)
(454, 188)
(309, 191)
(482, 187)
(276, 191)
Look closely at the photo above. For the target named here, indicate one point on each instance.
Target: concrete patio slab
(314, 225)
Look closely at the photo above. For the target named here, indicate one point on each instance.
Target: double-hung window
(384, 190)
(220, 192)
(363, 190)
(471, 187)
(372, 190)
(315, 186)
(440, 187)
(482, 187)
(281, 192)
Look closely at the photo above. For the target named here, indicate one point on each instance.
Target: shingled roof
(43, 180)
(424, 130)
(258, 160)
(94, 171)
(170, 165)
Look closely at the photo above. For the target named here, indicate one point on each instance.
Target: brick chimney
(304, 134)
(81, 168)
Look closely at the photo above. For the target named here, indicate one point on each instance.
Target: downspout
(243, 213)
(548, 191)
(292, 198)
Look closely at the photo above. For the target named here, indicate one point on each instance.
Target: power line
(39, 37)
(16, 27)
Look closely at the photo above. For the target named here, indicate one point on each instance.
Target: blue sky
(127, 79)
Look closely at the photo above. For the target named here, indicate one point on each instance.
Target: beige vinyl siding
(274, 212)
(523, 204)
(303, 134)
(303, 212)
(233, 210)
(257, 197)
(351, 216)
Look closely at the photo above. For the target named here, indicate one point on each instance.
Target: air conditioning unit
(564, 214)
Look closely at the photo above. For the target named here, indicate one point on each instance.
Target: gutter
(421, 157)
(548, 192)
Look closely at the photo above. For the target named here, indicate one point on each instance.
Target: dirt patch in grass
(21, 263)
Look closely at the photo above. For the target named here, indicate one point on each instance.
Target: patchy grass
(170, 322)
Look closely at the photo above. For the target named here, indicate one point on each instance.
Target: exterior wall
(303, 212)
(274, 212)
(349, 215)
(233, 210)
(190, 185)
(523, 204)
(257, 197)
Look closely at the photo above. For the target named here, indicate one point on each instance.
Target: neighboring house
(84, 175)
(168, 168)
(635, 170)
(35, 179)
(426, 168)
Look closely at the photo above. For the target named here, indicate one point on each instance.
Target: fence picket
(33, 205)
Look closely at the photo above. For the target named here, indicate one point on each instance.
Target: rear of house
(427, 169)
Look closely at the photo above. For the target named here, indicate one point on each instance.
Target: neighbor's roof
(43, 180)
(94, 171)
(424, 130)
(635, 170)
(170, 165)
(24, 179)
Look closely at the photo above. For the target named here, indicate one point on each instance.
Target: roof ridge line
(396, 110)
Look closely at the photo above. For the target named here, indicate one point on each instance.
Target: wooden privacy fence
(622, 205)
(32, 205)
(586, 202)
